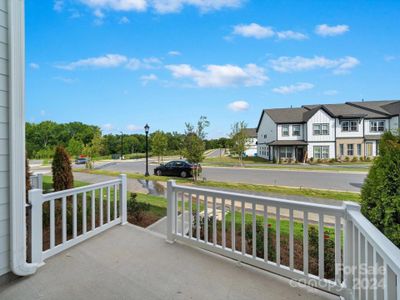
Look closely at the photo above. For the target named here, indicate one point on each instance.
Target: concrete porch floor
(127, 262)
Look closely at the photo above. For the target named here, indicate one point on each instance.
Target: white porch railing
(71, 216)
(36, 181)
(298, 240)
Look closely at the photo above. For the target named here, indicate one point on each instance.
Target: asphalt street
(309, 179)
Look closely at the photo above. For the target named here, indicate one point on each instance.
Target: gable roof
(364, 109)
(251, 132)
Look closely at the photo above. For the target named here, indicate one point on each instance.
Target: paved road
(216, 153)
(310, 179)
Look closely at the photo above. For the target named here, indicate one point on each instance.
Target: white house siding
(367, 126)
(266, 134)
(394, 124)
(321, 117)
(310, 148)
(4, 145)
(347, 134)
(291, 137)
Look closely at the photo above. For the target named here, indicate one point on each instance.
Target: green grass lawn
(323, 194)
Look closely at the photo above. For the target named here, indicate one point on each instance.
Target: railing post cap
(349, 205)
(34, 193)
(171, 182)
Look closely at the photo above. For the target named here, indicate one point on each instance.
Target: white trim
(17, 138)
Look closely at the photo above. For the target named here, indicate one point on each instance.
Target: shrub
(61, 169)
(347, 159)
(332, 160)
(136, 209)
(380, 194)
(354, 159)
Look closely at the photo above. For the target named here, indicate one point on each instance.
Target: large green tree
(380, 193)
(239, 139)
(159, 144)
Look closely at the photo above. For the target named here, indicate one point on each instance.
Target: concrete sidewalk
(127, 262)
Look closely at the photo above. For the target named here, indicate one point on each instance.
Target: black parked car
(178, 168)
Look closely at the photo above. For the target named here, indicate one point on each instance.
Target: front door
(369, 149)
(300, 154)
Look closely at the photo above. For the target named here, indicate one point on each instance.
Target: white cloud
(326, 30)
(34, 66)
(161, 6)
(285, 64)
(58, 5)
(174, 53)
(293, 88)
(389, 58)
(42, 112)
(147, 78)
(106, 61)
(173, 6)
(291, 35)
(117, 5)
(98, 13)
(124, 20)
(239, 105)
(107, 127)
(253, 30)
(221, 75)
(65, 79)
(145, 63)
(330, 92)
(133, 127)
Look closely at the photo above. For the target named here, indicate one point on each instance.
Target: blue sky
(121, 63)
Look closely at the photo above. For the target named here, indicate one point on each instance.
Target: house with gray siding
(351, 129)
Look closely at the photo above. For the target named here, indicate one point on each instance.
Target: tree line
(82, 139)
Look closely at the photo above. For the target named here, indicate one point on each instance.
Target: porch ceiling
(288, 143)
(127, 262)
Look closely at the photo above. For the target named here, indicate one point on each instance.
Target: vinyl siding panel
(266, 134)
(4, 143)
(318, 118)
(291, 137)
(349, 134)
(310, 148)
(367, 126)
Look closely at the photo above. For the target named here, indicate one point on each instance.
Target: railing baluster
(254, 233)
(64, 219)
(101, 207)
(52, 224)
(176, 199)
(115, 201)
(375, 274)
(108, 204)
(93, 203)
(183, 215)
(84, 223)
(338, 257)
(197, 217)
(278, 236)
(243, 234)
(291, 246)
(367, 283)
(386, 282)
(321, 247)
(205, 219)
(305, 244)
(74, 216)
(223, 224)
(233, 229)
(214, 222)
(190, 216)
(265, 233)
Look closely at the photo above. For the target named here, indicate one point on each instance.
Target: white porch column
(171, 211)
(123, 198)
(36, 202)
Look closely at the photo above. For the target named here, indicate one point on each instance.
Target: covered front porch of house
(288, 151)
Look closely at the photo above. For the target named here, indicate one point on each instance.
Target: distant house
(251, 147)
(351, 129)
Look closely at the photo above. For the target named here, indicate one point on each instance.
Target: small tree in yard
(380, 194)
(194, 148)
(62, 172)
(239, 140)
(159, 144)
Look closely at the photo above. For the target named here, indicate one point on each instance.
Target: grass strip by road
(243, 187)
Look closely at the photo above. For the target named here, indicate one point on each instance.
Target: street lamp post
(146, 130)
(122, 145)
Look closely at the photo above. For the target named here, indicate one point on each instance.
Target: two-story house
(351, 129)
(251, 144)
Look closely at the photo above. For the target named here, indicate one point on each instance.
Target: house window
(350, 149)
(285, 130)
(285, 152)
(296, 130)
(349, 126)
(377, 126)
(341, 149)
(321, 129)
(359, 149)
(265, 136)
(321, 152)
